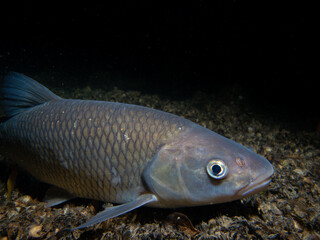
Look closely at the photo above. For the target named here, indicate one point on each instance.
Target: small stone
(299, 171)
(26, 198)
(35, 231)
(250, 129)
(268, 149)
(297, 226)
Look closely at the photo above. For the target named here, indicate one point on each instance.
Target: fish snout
(262, 173)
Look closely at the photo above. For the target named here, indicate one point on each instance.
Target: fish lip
(254, 186)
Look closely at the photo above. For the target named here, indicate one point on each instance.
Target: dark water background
(173, 49)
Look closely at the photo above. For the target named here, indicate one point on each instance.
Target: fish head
(202, 167)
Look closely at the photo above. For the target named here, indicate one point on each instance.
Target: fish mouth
(255, 185)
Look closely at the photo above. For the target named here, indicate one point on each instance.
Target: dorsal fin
(19, 93)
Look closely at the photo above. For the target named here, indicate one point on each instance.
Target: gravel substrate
(289, 209)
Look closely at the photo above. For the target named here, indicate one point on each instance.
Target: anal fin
(115, 211)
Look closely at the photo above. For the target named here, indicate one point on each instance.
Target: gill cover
(163, 175)
(176, 175)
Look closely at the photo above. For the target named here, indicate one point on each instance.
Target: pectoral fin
(112, 212)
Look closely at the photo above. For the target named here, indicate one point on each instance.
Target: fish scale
(92, 149)
(122, 153)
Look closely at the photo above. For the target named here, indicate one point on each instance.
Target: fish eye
(217, 169)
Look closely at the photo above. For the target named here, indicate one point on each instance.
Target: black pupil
(216, 169)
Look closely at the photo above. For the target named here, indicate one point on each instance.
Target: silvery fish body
(123, 153)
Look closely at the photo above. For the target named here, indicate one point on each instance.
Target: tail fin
(19, 93)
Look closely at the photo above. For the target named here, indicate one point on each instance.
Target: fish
(121, 153)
